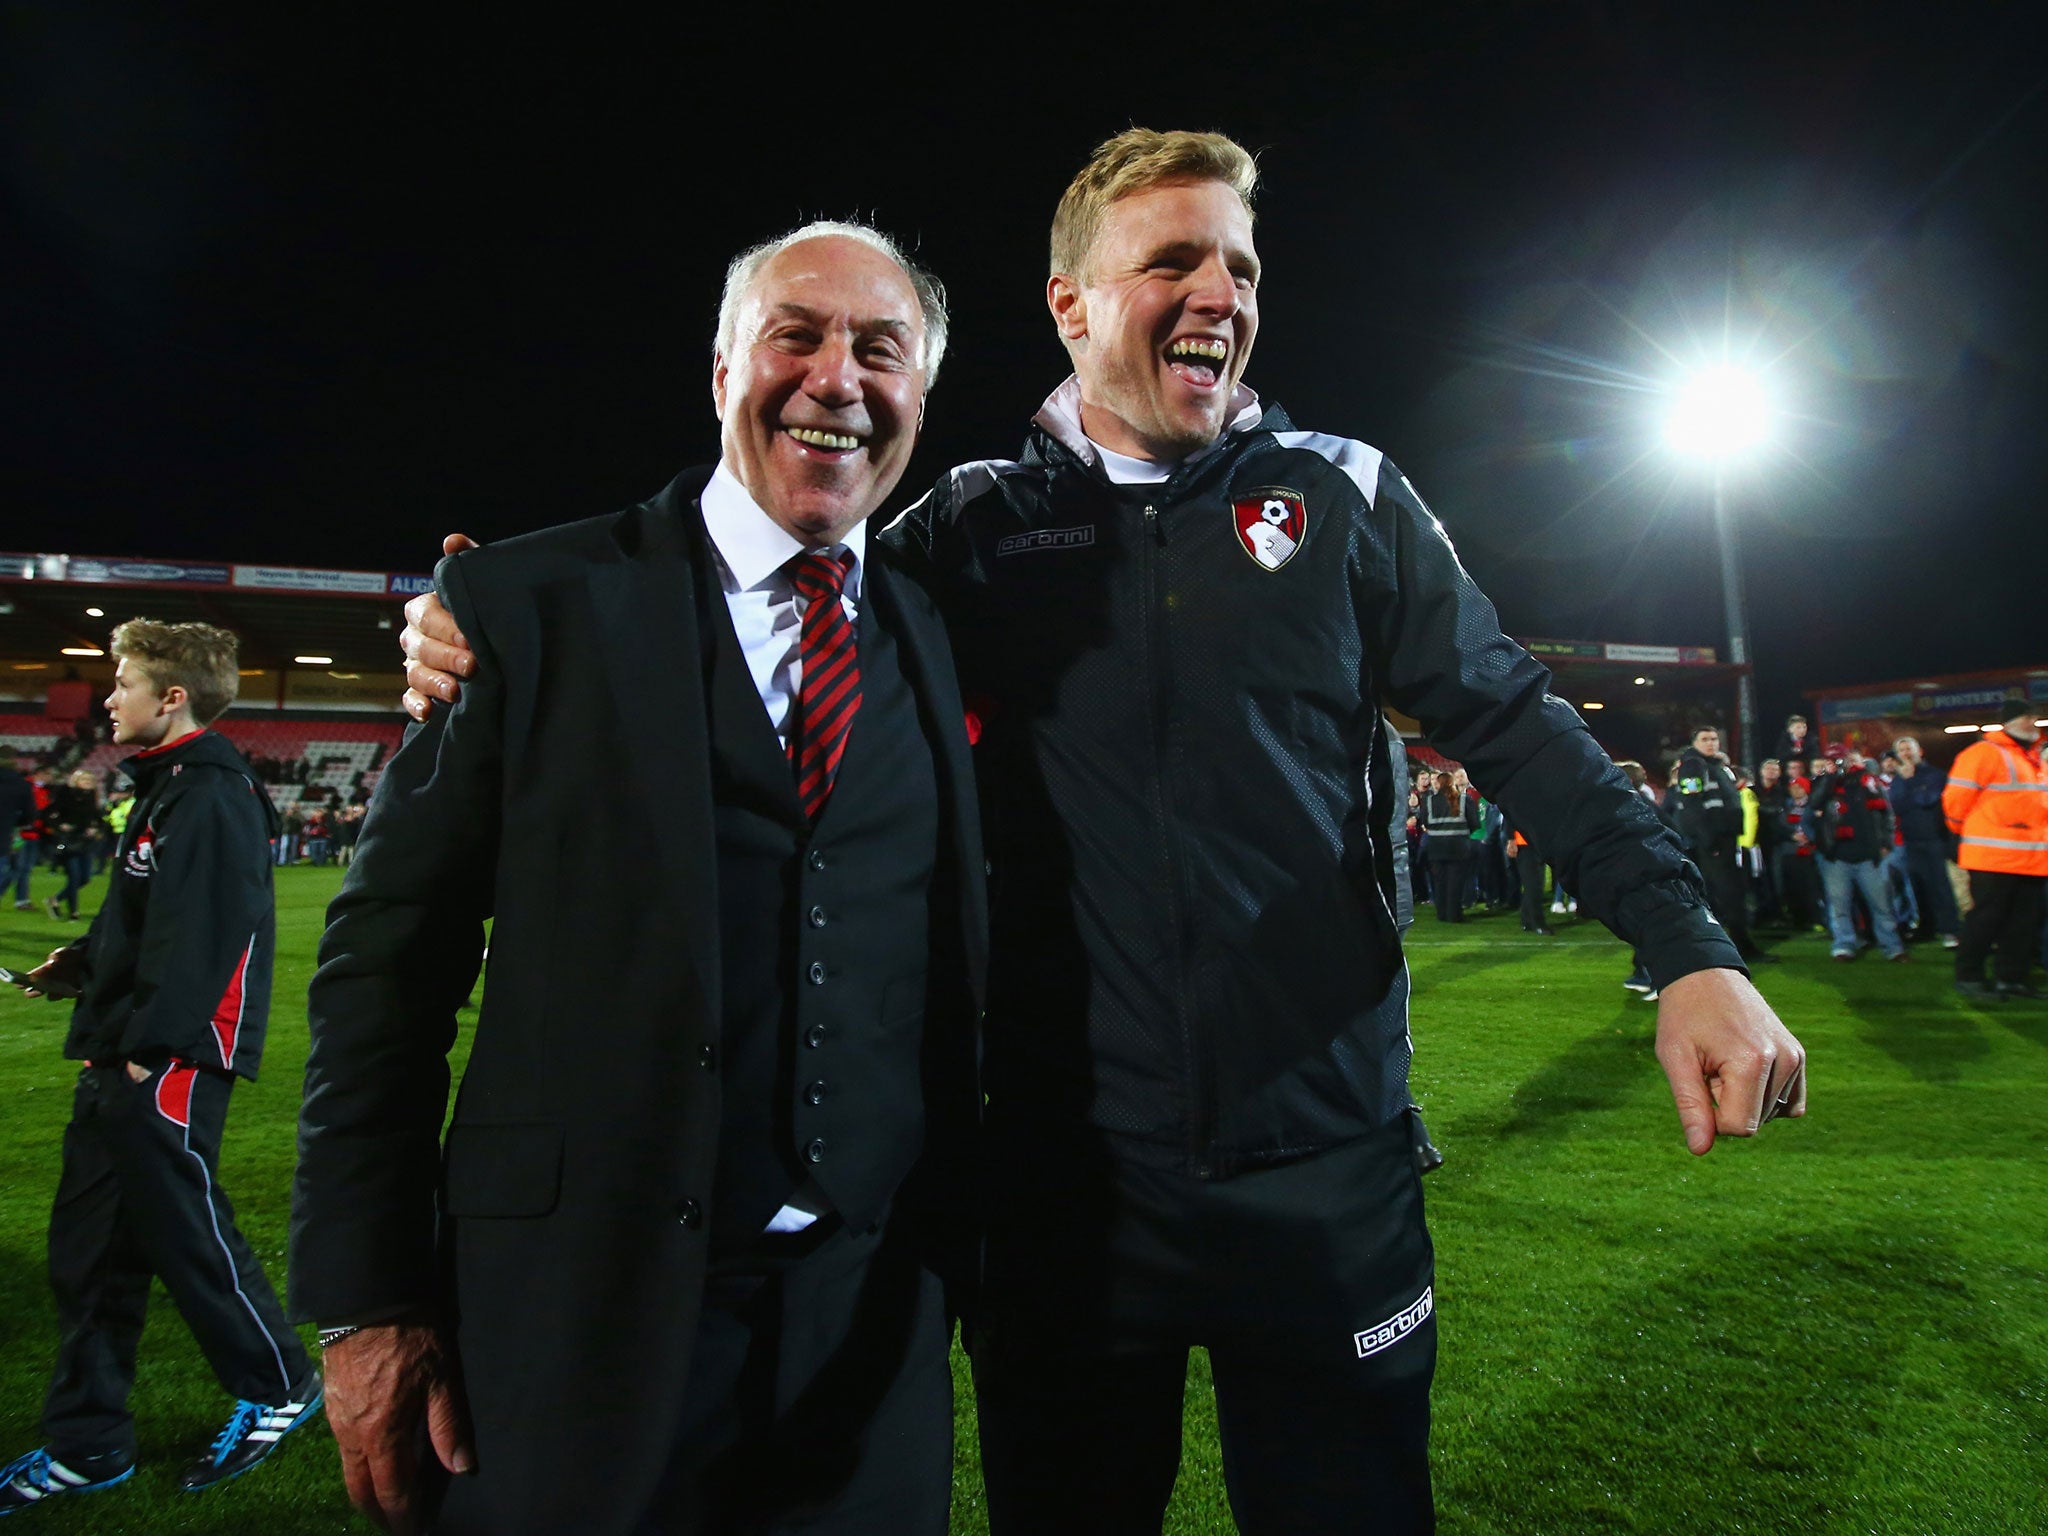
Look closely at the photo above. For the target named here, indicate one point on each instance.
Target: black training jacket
(1179, 690)
(178, 959)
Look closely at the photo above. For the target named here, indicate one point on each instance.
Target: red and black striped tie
(829, 696)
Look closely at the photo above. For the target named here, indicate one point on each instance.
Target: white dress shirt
(1122, 469)
(767, 614)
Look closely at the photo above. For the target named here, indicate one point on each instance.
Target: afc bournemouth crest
(1271, 525)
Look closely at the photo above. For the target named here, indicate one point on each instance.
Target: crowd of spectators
(282, 770)
(70, 822)
(1827, 841)
(1465, 854)
(320, 832)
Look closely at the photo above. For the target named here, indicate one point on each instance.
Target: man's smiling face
(821, 400)
(1161, 324)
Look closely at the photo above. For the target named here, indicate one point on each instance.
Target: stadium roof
(281, 612)
(350, 620)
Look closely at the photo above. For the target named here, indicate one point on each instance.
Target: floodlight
(1720, 413)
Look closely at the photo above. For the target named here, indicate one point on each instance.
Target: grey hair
(745, 267)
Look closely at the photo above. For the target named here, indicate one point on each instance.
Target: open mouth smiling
(822, 441)
(1198, 360)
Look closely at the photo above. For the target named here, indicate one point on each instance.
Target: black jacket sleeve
(1436, 644)
(403, 946)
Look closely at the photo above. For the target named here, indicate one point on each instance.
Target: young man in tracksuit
(172, 984)
(1177, 618)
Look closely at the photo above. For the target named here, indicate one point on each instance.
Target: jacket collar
(753, 546)
(2030, 750)
(1060, 420)
(203, 745)
(145, 769)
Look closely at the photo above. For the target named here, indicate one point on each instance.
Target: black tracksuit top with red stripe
(178, 959)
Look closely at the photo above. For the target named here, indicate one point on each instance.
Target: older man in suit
(677, 1265)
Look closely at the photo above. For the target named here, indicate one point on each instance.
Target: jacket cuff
(404, 1312)
(1678, 939)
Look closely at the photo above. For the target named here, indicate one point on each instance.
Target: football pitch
(1841, 1327)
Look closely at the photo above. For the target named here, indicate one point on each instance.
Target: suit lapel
(646, 609)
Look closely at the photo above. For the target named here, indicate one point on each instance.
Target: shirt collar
(1122, 469)
(1060, 417)
(753, 545)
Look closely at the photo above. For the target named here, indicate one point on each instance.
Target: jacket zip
(1197, 1057)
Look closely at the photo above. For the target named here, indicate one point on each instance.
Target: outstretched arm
(1438, 645)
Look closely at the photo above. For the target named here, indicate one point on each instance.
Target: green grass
(1841, 1327)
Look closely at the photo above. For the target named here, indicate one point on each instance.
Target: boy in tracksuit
(173, 991)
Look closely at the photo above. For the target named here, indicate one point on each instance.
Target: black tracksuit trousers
(2005, 915)
(1311, 1286)
(139, 1196)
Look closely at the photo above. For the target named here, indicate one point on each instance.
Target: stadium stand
(344, 756)
(28, 733)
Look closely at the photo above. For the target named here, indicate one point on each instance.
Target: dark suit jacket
(562, 1228)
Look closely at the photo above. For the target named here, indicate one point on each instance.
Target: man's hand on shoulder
(381, 1382)
(436, 654)
(1731, 1063)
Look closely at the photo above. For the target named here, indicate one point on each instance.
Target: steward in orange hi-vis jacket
(1997, 800)
(1997, 803)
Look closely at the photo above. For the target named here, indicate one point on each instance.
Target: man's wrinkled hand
(62, 975)
(382, 1381)
(1731, 1063)
(436, 654)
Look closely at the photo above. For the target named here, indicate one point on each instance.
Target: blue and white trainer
(37, 1478)
(252, 1433)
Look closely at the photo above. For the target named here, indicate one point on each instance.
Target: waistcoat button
(817, 973)
(815, 1093)
(817, 859)
(815, 1152)
(707, 1057)
(817, 917)
(690, 1214)
(814, 1036)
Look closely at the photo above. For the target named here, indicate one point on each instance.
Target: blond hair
(200, 658)
(1137, 160)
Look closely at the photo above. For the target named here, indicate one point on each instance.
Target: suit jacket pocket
(502, 1170)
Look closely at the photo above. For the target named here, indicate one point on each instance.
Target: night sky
(318, 287)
